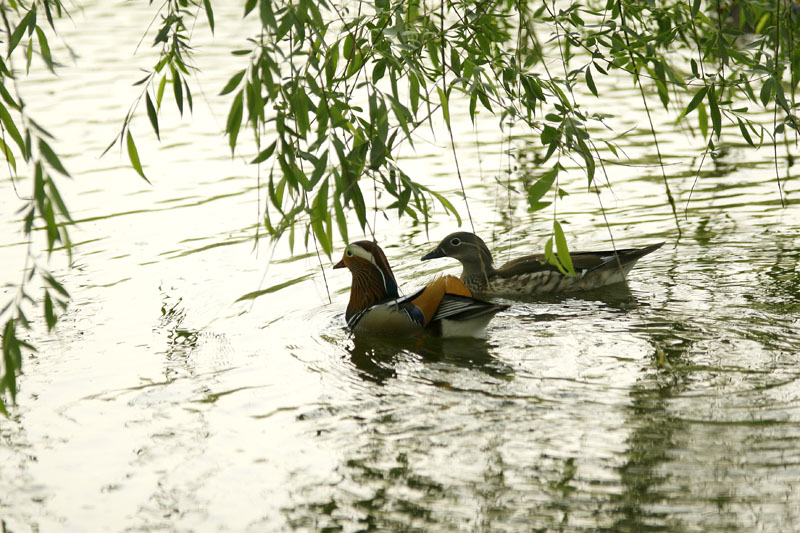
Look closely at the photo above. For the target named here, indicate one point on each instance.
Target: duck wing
(457, 307)
(596, 260)
(581, 261)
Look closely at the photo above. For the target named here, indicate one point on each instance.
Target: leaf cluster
(30, 160)
(330, 90)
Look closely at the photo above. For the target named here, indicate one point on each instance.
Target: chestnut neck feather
(367, 288)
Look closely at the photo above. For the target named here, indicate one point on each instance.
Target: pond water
(162, 404)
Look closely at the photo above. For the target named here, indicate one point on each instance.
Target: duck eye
(349, 252)
(455, 241)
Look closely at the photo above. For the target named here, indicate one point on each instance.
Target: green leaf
(766, 91)
(12, 130)
(177, 89)
(358, 204)
(12, 357)
(32, 21)
(133, 155)
(341, 220)
(696, 99)
(28, 143)
(49, 313)
(716, 117)
(233, 82)
(537, 206)
(561, 248)
(550, 258)
(255, 294)
(446, 204)
(590, 80)
(265, 154)
(234, 120)
(9, 154)
(51, 157)
(445, 106)
(702, 120)
(28, 56)
(160, 94)
(473, 102)
(319, 169)
(356, 63)
(377, 153)
(550, 135)
(586, 153)
(331, 62)
(50, 225)
(300, 106)
(267, 16)
(378, 71)
(44, 47)
(209, 14)
(19, 31)
(54, 283)
(49, 15)
(188, 95)
(762, 22)
(413, 92)
(537, 191)
(7, 96)
(745, 133)
(320, 214)
(151, 113)
(347, 49)
(38, 186)
(55, 196)
(663, 94)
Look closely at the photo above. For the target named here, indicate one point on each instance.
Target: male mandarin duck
(444, 308)
(531, 274)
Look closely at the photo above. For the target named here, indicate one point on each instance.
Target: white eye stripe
(362, 253)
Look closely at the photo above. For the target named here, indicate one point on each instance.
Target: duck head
(467, 248)
(373, 281)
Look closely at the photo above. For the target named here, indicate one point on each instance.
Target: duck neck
(368, 289)
(478, 271)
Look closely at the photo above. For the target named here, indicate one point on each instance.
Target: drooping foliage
(330, 90)
(33, 168)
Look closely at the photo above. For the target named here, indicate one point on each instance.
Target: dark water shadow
(375, 356)
(652, 443)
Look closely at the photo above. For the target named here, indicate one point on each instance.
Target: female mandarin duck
(531, 274)
(444, 308)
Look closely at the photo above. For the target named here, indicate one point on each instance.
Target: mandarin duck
(443, 308)
(531, 274)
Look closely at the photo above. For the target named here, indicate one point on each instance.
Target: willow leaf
(133, 155)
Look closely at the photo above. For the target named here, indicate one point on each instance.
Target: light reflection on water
(162, 403)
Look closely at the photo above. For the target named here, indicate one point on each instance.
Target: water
(163, 404)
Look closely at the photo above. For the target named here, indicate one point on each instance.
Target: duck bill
(340, 264)
(433, 255)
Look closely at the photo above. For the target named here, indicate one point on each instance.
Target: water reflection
(181, 341)
(375, 356)
(640, 505)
